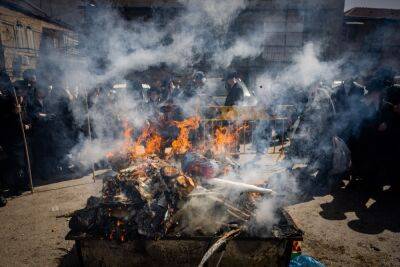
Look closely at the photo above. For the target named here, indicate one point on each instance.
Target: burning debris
(169, 183)
(155, 206)
(153, 198)
(139, 201)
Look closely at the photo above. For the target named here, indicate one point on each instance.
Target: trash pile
(153, 198)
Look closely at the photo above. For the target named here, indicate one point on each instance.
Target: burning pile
(139, 201)
(153, 198)
(157, 193)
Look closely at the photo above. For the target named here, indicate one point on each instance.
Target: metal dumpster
(272, 250)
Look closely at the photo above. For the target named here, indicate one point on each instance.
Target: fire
(127, 134)
(224, 140)
(182, 144)
(148, 142)
(153, 145)
(118, 231)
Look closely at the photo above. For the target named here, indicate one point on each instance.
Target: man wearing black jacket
(235, 90)
(11, 139)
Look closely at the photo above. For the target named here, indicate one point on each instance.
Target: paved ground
(340, 230)
(347, 228)
(30, 231)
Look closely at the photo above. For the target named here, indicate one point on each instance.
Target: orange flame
(182, 144)
(224, 140)
(148, 142)
(153, 145)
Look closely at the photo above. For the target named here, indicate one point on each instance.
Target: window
(295, 27)
(294, 38)
(274, 53)
(21, 36)
(277, 38)
(30, 38)
(70, 43)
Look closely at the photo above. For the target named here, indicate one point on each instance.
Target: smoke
(305, 70)
(119, 50)
(246, 47)
(308, 69)
(115, 48)
(219, 13)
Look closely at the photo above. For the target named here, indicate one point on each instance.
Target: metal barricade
(241, 122)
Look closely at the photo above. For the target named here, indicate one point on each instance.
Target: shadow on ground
(376, 211)
(99, 175)
(70, 259)
(376, 206)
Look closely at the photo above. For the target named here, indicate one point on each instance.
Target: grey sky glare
(393, 4)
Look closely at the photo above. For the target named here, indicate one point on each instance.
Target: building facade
(371, 37)
(287, 25)
(27, 36)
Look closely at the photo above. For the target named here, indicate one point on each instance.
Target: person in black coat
(235, 90)
(390, 145)
(11, 139)
(38, 110)
(369, 146)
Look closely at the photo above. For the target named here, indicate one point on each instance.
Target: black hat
(231, 75)
(199, 76)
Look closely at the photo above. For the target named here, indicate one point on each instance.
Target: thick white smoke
(306, 69)
(202, 29)
(123, 47)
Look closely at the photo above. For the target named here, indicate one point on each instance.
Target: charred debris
(154, 198)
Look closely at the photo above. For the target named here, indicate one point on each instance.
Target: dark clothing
(11, 139)
(41, 140)
(6, 86)
(235, 95)
(191, 90)
(365, 145)
(391, 136)
(61, 128)
(347, 101)
(313, 138)
(375, 149)
(170, 96)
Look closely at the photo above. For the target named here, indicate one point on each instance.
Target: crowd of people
(362, 121)
(42, 113)
(46, 126)
(366, 118)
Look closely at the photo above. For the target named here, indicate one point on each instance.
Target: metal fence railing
(238, 124)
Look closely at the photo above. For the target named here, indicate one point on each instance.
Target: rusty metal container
(274, 250)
